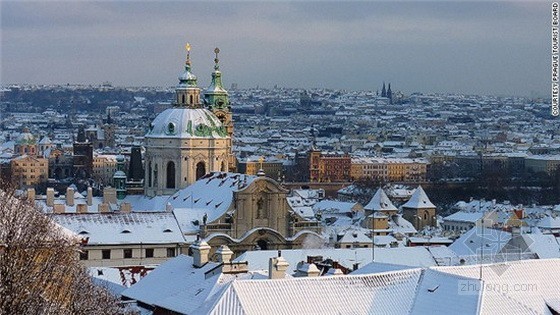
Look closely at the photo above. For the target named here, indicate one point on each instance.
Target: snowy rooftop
(408, 256)
(419, 200)
(463, 216)
(380, 202)
(122, 228)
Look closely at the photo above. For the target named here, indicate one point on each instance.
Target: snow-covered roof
(355, 236)
(211, 195)
(380, 202)
(183, 123)
(122, 228)
(409, 291)
(169, 278)
(409, 256)
(363, 294)
(332, 206)
(479, 239)
(464, 216)
(502, 293)
(178, 286)
(549, 222)
(419, 200)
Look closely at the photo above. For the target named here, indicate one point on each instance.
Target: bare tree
(40, 271)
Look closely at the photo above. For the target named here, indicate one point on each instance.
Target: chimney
(277, 267)
(81, 208)
(70, 197)
(103, 208)
(50, 197)
(334, 272)
(89, 196)
(125, 207)
(168, 207)
(224, 254)
(200, 250)
(109, 195)
(31, 194)
(58, 208)
(307, 270)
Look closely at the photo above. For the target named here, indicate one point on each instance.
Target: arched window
(170, 175)
(155, 175)
(223, 167)
(191, 100)
(262, 244)
(183, 99)
(200, 170)
(150, 174)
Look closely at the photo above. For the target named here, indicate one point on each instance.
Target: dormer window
(83, 232)
(126, 231)
(167, 231)
(171, 127)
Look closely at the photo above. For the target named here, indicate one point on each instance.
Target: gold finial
(188, 49)
(261, 160)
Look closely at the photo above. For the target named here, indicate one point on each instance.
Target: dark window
(106, 254)
(84, 255)
(200, 170)
(149, 252)
(170, 252)
(170, 175)
(127, 253)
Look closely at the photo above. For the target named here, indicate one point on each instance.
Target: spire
(216, 95)
(383, 91)
(390, 94)
(187, 78)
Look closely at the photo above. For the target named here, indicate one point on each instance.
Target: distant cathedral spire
(383, 91)
(390, 94)
(81, 135)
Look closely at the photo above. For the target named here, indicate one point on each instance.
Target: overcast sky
(499, 48)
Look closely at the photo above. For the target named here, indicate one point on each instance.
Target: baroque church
(189, 162)
(191, 139)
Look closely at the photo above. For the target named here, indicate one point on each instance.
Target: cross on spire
(216, 60)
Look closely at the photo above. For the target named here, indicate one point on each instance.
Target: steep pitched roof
(380, 202)
(419, 200)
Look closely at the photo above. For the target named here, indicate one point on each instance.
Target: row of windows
(127, 253)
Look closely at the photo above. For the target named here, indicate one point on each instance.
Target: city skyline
(455, 47)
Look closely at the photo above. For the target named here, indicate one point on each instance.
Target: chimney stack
(200, 250)
(277, 267)
(89, 196)
(58, 208)
(224, 254)
(70, 197)
(50, 197)
(81, 208)
(125, 207)
(109, 195)
(334, 272)
(31, 194)
(307, 270)
(103, 208)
